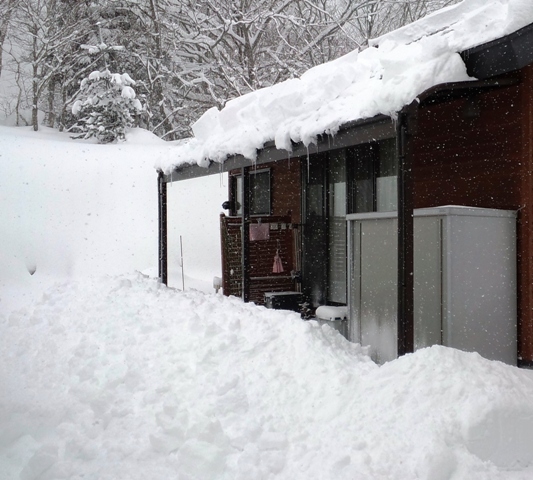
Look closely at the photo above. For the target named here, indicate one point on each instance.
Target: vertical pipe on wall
(245, 233)
(405, 239)
(163, 254)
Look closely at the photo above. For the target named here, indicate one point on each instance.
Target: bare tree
(186, 55)
(382, 16)
(45, 31)
(6, 12)
(220, 49)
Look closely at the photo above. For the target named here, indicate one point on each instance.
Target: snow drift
(71, 209)
(123, 378)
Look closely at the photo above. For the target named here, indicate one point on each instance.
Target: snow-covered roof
(381, 79)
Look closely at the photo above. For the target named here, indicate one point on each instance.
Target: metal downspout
(405, 234)
(163, 252)
(245, 234)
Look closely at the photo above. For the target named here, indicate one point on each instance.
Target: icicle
(221, 175)
(308, 161)
(182, 269)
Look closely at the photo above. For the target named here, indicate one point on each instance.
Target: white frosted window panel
(387, 194)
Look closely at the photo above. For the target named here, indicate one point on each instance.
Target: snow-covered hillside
(71, 209)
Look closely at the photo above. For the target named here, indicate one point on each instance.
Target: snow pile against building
(388, 75)
(123, 378)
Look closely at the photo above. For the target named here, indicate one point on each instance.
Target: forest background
(185, 55)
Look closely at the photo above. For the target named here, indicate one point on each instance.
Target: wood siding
(284, 235)
(469, 162)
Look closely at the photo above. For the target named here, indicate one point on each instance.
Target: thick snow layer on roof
(382, 79)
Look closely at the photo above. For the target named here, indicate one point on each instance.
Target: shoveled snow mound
(122, 378)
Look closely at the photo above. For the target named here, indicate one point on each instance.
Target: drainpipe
(405, 233)
(245, 233)
(162, 191)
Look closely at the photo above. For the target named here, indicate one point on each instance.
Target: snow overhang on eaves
(500, 56)
(352, 133)
(512, 52)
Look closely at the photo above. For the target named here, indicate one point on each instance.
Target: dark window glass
(260, 203)
(373, 177)
(386, 179)
(363, 178)
(260, 190)
(315, 229)
(337, 227)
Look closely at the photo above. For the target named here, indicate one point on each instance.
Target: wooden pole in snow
(182, 271)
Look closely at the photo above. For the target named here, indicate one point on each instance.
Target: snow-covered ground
(74, 208)
(122, 378)
(106, 374)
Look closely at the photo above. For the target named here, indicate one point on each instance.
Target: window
(354, 180)
(336, 188)
(260, 203)
(374, 177)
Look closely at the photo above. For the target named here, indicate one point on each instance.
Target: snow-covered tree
(106, 107)
(44, 32)
(186, 55)
(6, 11)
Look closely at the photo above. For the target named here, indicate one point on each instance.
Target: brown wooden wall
(483, 162)
(284, 234)
(463, 161)
(286, 189)
(525, 219)
(282, 238)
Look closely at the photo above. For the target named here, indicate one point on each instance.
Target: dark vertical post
(162, 190)
(405, 240)
(245, 238)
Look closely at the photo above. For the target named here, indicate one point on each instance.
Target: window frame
(372, 154)
(236, 207)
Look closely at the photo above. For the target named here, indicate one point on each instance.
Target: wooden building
(466, 144)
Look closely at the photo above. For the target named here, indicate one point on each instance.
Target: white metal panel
(379, 297)
(427, 282)
(479, 297)
(465, 281)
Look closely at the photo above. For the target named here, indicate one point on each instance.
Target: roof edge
(503, 55)
(351, 133)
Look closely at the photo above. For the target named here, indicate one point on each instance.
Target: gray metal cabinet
(464, 276)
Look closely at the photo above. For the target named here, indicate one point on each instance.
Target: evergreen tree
(106, 107)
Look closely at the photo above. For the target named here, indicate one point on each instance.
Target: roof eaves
(351, 133)
(500, 56)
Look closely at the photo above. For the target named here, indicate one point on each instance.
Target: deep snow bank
(122, 378)
(70, 209)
